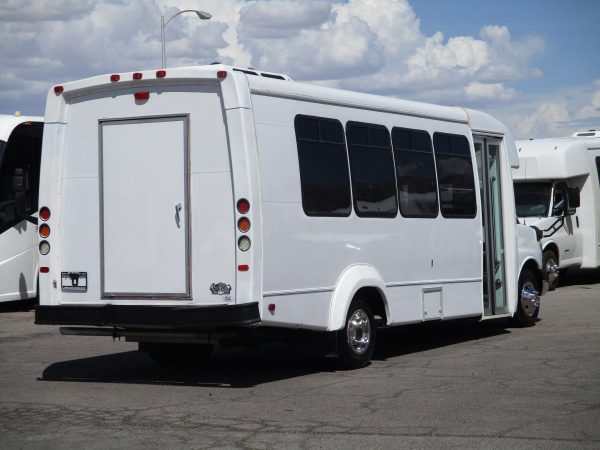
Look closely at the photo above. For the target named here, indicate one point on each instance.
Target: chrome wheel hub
(530, 299)
(552, 269)
(358, 331)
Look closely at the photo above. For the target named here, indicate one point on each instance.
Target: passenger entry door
(144, 208)
(487, 153)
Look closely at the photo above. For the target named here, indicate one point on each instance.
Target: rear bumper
(190, 318)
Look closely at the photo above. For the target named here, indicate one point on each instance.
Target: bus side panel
(304, 254)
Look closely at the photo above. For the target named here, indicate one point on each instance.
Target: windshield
(532, 199)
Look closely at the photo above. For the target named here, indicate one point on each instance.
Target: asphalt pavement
(444, 385)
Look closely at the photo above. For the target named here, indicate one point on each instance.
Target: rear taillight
(243, 206)
(44, 247)
(244, 243)
(44, 213)
(44, 269)
(44, 230)
(244, 224)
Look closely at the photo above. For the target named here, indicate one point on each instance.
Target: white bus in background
(20, 153)
(195, 205)
(557, 189)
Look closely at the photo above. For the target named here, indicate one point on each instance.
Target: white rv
(557, 189)
(192, 205)
(20, 153)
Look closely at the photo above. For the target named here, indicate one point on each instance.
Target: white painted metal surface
(573, 162)
(18, 243)
(242, 144)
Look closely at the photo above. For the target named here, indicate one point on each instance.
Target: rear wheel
(551, 265)
(357, 339)
(528, 305)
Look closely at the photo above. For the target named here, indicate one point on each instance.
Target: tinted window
(372, 170)
(455, 175)
(598, 167)
(415, 173)
(323, 165)
(21, 151)
(532, 199)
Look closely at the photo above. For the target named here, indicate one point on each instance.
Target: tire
(356, 341)
(550, 263)
(176, 354)
(528, 300)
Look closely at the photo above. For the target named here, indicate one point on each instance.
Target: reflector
(44, 269)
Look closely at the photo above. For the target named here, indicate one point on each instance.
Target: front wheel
(550, 263)
(528, 305)
(357, 339)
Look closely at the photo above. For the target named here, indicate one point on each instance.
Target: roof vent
(590, 133)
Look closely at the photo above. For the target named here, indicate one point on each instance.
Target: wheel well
(373, 297)
(533, 268)
(554, 248)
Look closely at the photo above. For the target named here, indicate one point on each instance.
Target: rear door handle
(178, 208)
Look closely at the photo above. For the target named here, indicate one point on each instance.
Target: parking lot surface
(449, 385)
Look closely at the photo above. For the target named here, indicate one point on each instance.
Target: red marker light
(161, 73)
(142, 95)
(222, 74)
(44, 269)
(137, 76)
(58, 89)
(115, 77)
(243, 267)
(271, 308)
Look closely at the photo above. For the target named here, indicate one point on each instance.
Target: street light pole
(201, 15)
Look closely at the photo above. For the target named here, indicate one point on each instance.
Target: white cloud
(489, 91)
(366, 45)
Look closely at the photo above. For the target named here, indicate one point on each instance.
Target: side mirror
(573, 198)
(571, 195)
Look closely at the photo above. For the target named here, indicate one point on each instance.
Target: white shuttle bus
(20, 154)
(194, 205)
(557, 189)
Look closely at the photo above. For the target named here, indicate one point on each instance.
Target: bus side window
(323, 162)
(455, 175)
(371, 170)
(415, 171)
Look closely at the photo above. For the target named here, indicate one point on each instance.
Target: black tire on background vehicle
(528, 300)
(357, 339)
(176, 354)
(550, 263)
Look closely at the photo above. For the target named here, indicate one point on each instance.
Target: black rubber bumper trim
(150, 317)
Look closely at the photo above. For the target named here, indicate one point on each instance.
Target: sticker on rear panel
(73, 281)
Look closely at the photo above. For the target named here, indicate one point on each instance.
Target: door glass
(487, 156)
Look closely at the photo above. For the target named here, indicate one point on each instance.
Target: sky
(533, 64)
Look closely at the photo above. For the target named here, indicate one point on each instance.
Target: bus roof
(8, 123)
(554, 158)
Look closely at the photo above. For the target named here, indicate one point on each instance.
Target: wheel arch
(551, 245)
(363, 280)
